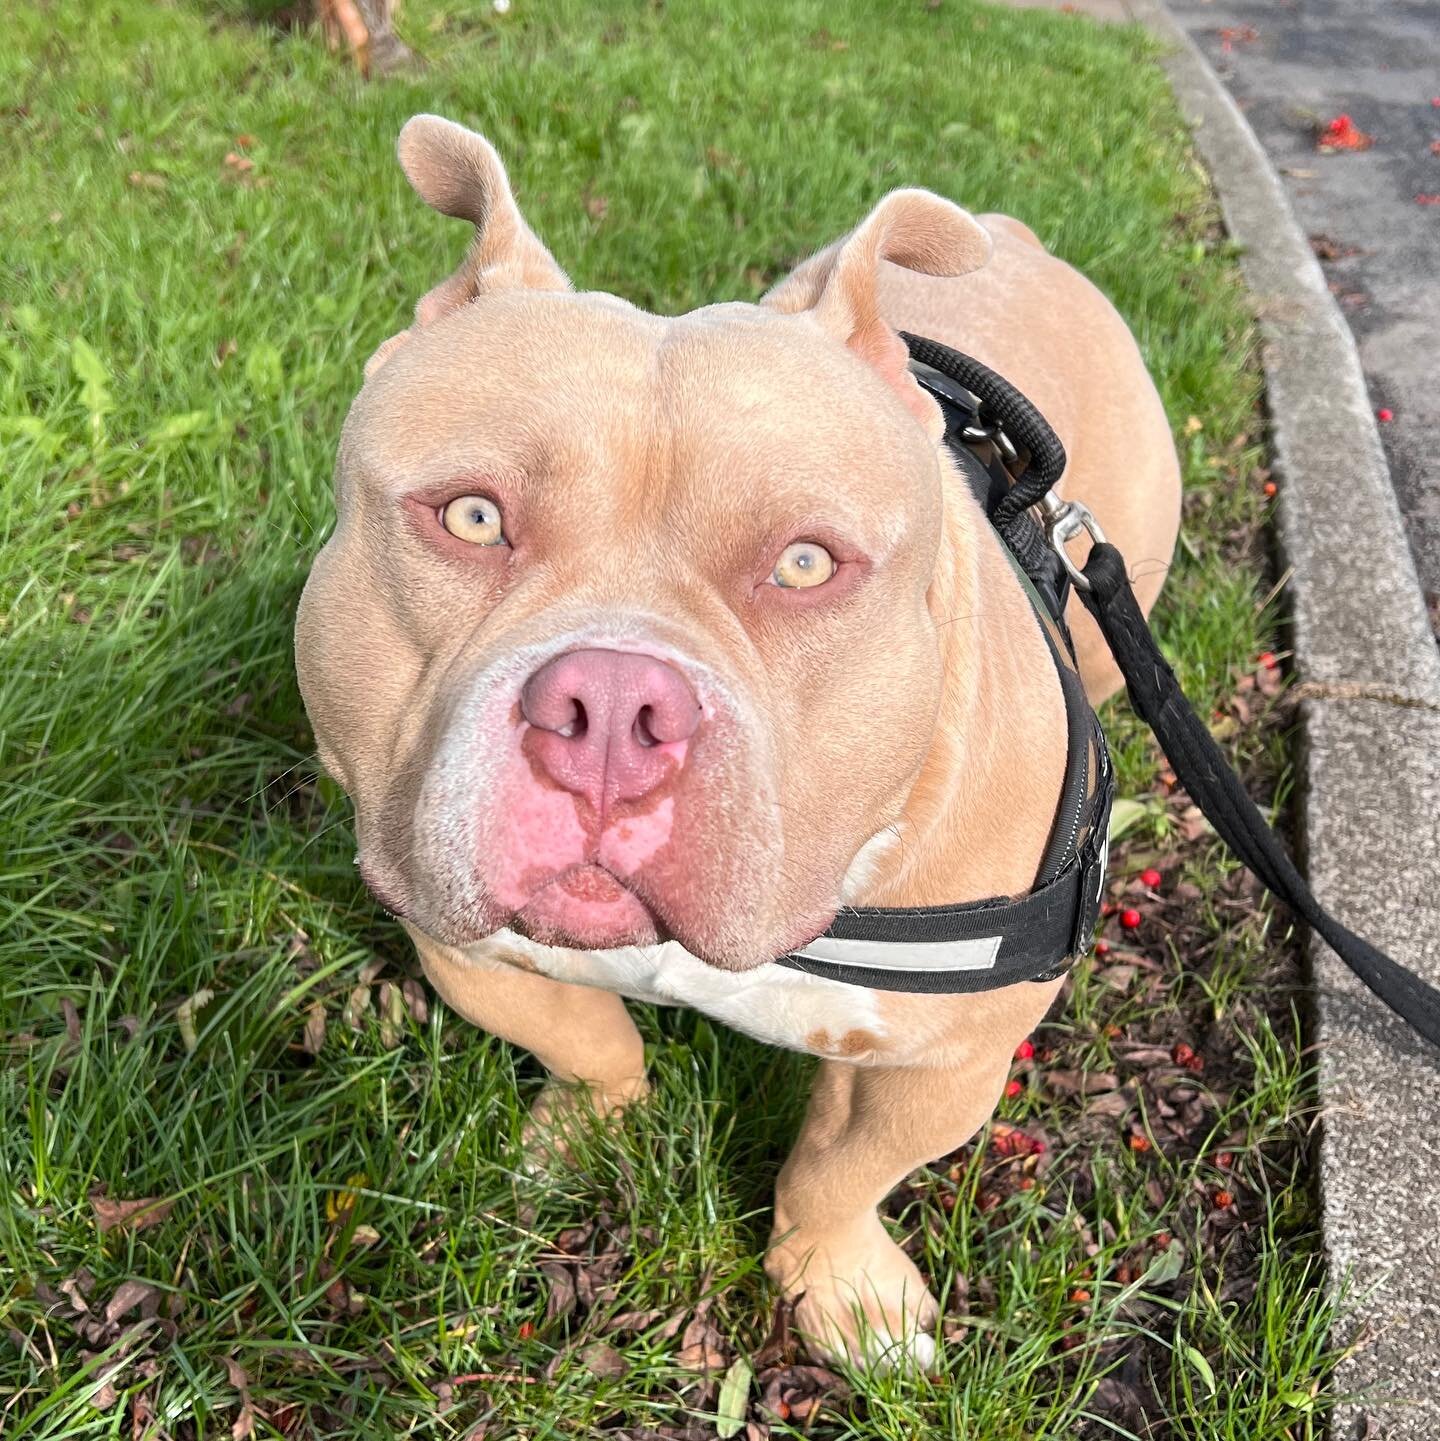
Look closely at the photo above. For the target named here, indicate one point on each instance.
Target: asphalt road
(1293, 66)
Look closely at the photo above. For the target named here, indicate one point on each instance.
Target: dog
(642, 644)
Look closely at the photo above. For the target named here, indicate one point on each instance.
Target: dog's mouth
(587, 907)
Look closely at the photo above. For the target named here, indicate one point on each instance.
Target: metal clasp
(1064, 520)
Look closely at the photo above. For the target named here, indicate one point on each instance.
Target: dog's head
(625, 630)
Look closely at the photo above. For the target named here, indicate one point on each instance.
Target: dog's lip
(583, 884)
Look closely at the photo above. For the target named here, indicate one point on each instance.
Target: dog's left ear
(457, 172)
(839, 288)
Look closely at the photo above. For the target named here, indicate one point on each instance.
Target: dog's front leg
(583, 1036)
(867, 1128)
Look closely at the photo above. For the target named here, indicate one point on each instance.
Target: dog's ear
(457, 172)
(839, 287)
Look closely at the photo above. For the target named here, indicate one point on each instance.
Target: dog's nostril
(645, 727)
(578, 723)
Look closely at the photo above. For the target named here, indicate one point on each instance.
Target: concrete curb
(1371, 773)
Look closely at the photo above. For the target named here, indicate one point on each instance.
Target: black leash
(1154, 690)
(1155, 693)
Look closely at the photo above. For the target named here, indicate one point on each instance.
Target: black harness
(982, 945)
(1013, 460)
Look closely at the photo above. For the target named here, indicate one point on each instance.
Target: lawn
(202, 1011)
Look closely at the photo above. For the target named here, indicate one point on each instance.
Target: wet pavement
(1373, 214)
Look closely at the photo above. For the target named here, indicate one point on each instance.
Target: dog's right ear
(457, 172)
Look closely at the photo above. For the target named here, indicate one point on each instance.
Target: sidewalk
(1364, 649)
(1374, 213)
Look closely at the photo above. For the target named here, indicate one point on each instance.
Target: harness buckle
(1064, 520)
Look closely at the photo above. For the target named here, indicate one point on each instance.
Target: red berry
(1024, 1050)
(1079, 1295)
(1223, 1200)
(1384, 413)
(1267, 659)
(1102, 947)
(1182, 1054)
(1270, 488)
(1150, 878)
(1139, 1143)
(1013, 1089)
(1130, 918)
(1224, 1160)
(527, 1330)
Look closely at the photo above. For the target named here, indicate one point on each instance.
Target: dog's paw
(858, 1298)
(564, 1110)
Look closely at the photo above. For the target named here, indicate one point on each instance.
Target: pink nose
(607, 722)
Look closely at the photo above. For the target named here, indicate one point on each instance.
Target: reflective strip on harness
(972, 955)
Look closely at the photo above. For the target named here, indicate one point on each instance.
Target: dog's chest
(771, 1003)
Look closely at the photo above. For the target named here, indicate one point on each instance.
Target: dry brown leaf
(415, 1000)
(1081, 1083)
(244, 1425)
(604, 1361)
(357, 1003)
(315, 1028)
(129, 1295)
(700, 1348)
(139, 1215)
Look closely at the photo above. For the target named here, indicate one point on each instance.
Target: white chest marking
(771, 1003)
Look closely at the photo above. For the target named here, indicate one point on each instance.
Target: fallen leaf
(604, 1361)
(127, 1297)
(1081, 1083)
(340, 1202)
(314, 1028)
(244, 1424)
(1327, 249)
(700, 1348)
(146, 180)
(1343, 134)
(357, 1003)
(392, 1015)
(561, 1300)
(139, 1215)
(415, 1000)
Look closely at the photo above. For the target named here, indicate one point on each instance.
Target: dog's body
(607, 733)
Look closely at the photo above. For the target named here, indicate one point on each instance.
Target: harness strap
(981, 945)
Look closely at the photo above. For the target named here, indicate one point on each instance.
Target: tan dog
(642, 643)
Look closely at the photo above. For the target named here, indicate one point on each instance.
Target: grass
(343, 1246)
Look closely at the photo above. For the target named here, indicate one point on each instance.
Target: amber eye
(474, 518)
(802, 566)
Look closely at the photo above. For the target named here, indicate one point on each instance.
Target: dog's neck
(980, 814)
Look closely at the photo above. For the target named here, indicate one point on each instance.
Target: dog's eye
(803, 565)
(474, 518)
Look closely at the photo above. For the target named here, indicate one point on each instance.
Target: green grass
(180, 340)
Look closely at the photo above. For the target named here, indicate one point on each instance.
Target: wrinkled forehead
(733, 397)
